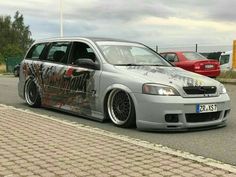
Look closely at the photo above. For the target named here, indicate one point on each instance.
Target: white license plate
(209, 66)
(206, 108)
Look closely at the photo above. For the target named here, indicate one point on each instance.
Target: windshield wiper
(157, 65)
(128, 64)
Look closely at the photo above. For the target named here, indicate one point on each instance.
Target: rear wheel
(32, 95)
(120, 108)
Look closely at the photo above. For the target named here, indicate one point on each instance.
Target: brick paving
(32, 145)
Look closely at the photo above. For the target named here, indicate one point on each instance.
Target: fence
(202, 48)
(11, 62)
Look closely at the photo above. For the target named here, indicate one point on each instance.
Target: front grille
(202, 117)
(197, 90)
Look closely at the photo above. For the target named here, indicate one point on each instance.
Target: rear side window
(58, 52)
(171, 57)
(36, 52)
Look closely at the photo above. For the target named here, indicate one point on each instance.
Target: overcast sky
(162, 22)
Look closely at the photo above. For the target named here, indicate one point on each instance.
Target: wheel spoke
(120, 108)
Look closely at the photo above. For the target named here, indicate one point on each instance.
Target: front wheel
(32, 95)
(120, 108)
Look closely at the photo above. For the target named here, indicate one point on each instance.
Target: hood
(167, 76)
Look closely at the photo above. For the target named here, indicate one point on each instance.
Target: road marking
(145, 144)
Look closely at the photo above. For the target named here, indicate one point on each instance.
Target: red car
(193, 61)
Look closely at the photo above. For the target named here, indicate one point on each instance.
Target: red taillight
(197, 66)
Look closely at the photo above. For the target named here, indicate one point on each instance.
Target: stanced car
(123, 81)
(195, 62)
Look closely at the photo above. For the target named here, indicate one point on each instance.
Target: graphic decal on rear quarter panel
(62, 86)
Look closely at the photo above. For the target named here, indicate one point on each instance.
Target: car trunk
(207, 65)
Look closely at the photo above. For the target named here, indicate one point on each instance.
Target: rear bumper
(212, 73)
(151, 111)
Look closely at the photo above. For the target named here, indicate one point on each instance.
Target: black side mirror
(86, 63)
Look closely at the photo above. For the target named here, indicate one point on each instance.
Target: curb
(226, 81)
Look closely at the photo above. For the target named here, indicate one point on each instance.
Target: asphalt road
(219, 144)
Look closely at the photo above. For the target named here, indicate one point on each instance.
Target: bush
(228, 74)
(2, 60)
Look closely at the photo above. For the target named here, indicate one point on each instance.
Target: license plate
(209, 66)
(206, 108)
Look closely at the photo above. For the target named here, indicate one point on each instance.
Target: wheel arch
(108, 91)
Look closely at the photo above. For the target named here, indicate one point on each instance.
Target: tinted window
(58, 52)
(36, 51)
(81, 51)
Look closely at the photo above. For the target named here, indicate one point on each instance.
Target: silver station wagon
(123, 81)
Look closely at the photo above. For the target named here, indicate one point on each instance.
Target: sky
(166, 23)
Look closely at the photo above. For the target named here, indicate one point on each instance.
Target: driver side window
(81, 51)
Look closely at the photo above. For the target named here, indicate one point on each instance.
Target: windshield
(123, 53)
(194, 56)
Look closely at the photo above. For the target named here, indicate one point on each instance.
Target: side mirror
(86, 63)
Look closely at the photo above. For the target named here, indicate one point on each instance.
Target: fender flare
(121, 87)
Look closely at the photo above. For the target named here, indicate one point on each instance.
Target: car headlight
(222, 89)
(156, 89)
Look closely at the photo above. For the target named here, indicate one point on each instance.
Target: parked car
(226, 61)
(123, 81)
(195, 62)
(16, 70)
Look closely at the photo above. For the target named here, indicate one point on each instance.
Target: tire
(120, 109)
(32, 95)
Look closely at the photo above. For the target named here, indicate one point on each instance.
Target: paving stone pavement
(34, 145)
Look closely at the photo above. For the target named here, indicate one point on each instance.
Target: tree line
(15, 36)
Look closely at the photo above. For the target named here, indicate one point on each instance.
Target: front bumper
(151, 111)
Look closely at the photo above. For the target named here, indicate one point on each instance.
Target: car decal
(172, 73)
(73, 86)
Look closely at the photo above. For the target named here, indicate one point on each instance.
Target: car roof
(74, 38)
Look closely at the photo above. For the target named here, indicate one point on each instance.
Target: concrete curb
(226, 81)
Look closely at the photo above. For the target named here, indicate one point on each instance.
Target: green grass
(228, 75)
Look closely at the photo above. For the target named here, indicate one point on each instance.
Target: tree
(15, 36)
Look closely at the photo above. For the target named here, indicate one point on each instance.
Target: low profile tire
(120, 108)
(32, 95)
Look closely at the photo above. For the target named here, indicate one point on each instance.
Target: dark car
(195, 62)
(16, 70)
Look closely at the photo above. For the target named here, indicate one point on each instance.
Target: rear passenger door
(54, 69)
